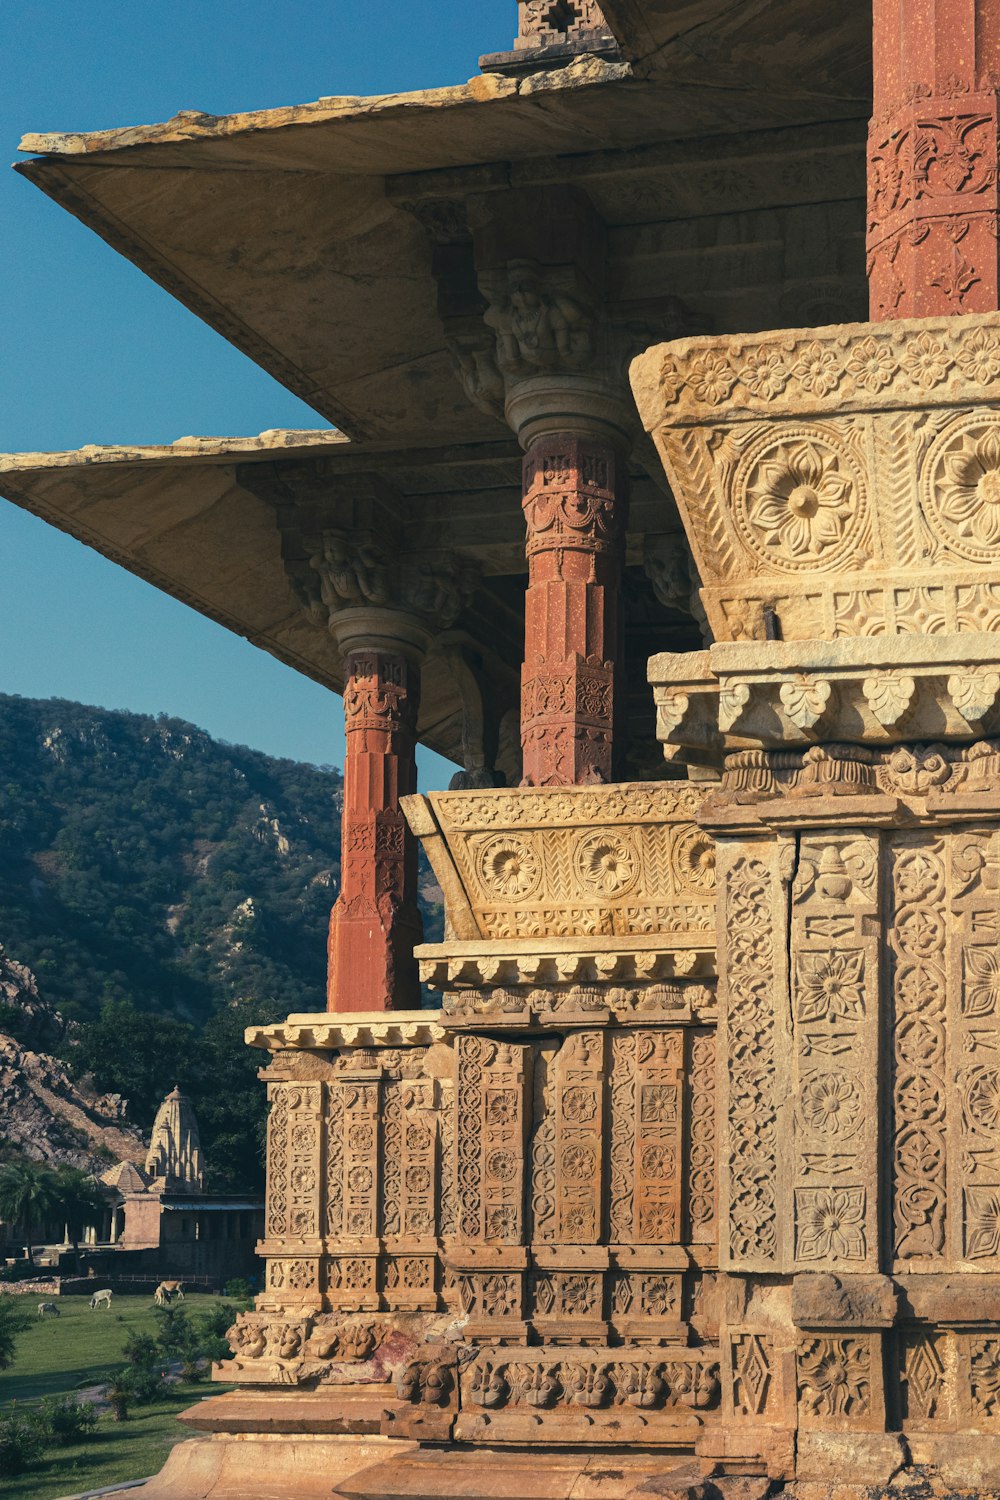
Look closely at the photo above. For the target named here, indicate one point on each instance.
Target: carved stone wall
(837, 489)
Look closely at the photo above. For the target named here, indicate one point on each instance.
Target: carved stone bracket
(879, 690)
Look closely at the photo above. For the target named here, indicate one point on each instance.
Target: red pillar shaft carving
(932, 158)
(375, 922)
(575, 496)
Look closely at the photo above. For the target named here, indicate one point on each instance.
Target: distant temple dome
(174, 1154)
(126, 1177)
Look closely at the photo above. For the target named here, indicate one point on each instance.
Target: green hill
(166, 890)
(140, 858)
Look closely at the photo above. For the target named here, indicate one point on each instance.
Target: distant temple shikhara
(174, 1157)
(664, 499)
(163, 1221)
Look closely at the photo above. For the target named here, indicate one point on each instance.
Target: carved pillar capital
(561, 349)
(368, 594)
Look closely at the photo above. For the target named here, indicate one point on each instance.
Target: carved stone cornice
(879, 690)
(307, 1032)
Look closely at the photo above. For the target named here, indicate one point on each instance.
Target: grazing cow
(48, 1307)
(169, 1291)
(101, 1299)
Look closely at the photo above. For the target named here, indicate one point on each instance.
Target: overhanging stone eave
(177, 517)
(345, 268)
(659, 36)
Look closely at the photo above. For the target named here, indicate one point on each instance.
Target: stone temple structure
(691, 1185)
(164, 1223)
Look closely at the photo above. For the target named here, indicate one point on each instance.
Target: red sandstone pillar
(932, 158)
(575, 497)
(375, 922)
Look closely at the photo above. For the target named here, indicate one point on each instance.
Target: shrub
(238, 1289)
(66, 1420)
(216, 1322)
(13, 1320)
(141, 1349)
(145, 1383)
(175, 1331)
(21, 1441)
(119, 1393)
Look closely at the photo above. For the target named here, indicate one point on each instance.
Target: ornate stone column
(542, 269)
(932, 178)
(375, 922)
(383, 607)
(574, 502)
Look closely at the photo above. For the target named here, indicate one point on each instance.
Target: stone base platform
(301, 1466)
(303, 1445)
(296, 1445)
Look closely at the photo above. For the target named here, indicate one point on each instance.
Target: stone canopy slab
(304, 235)
(216, 523)
(199, 519)
(779, 45)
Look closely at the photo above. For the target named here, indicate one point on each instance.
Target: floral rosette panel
(582, 862)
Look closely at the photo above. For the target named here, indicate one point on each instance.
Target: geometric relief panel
(702, 1170)
(490, 1131)
(750, 1028)
(646, 1139)
(944, 942)
(919, 1044)
(293, 1162)
(835, 1013)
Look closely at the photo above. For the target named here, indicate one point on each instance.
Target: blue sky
(93, 352)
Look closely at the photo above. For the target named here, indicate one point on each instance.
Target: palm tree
(28, 1196)
(81, 1202)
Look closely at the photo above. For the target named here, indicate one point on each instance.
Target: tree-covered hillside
(167, 890)
(140, 859)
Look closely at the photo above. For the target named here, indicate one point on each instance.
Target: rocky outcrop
(23, 1012)
(44, 1113)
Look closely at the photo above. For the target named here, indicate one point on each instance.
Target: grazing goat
(101, 1299)
(48, 1307)
(168, 1291)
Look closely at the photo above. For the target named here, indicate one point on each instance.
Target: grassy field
(80, 1349)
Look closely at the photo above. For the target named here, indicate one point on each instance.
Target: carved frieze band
(581, 862)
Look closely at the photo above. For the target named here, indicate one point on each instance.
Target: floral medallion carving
(830, 1104)
(607, 863)
(961, 488)
(799, 501)
(509, 867)
(835, 1377)
(829, 1224)
(694, 859)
